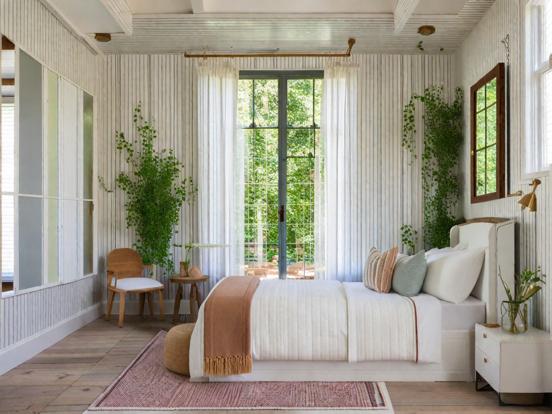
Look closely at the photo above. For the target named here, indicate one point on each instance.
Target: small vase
(514, 317)
(184, 268)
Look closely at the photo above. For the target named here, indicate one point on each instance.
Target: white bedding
(391, 327)
(321, 320)
(464, 315)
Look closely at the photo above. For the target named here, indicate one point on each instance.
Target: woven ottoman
(177, 348)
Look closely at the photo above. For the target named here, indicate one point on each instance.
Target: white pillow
(452, 275)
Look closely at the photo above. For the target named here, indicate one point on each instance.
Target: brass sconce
(529, 200)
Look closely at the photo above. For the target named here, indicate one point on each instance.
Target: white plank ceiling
(175, 26)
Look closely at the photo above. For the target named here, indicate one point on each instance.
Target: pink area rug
(145, 386)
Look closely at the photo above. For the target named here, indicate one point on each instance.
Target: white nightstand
(513, 363)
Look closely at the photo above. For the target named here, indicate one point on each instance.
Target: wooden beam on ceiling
(198, 6)
(121, 12)
(404, 9)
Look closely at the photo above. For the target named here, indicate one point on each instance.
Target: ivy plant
(155, 191)
(442, 142)
(408, 238)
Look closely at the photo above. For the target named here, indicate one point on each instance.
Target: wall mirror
(487, 149)
(47, 168)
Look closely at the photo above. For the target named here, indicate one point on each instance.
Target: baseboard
(132, 307)
(24, 350)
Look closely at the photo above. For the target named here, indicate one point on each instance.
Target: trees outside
(258, 116)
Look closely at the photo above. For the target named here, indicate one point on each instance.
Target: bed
(326, 330)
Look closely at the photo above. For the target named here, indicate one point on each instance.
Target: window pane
(245, 102)
(266, 102)
(491, 92)
(480, 128)
(70, 242)
(88, 237)
(51, 231)
(300, 104)
(30, 242)
(547, 118)
(480, 172)
(8, 240)
(480, 98)
(88, 145)
(300, 142)
(68, 113)
(52, 161)
(491, 125)
(317, 100)
(30, 125)
(8, 147)
(491, 169)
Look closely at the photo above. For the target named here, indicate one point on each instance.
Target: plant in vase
(514, 310)
(155, 192)
(187, 256)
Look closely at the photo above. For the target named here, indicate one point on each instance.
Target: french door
(279, 112)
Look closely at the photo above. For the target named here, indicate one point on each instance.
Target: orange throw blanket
(227, 328)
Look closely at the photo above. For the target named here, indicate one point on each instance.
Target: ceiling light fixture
(426, 30)
(103, 37)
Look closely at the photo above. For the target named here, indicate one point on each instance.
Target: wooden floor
(67, 377)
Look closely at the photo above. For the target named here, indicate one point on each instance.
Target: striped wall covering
(389, 188)
(479, 53)
(32, 27)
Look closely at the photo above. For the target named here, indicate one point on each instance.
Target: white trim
(20, 352)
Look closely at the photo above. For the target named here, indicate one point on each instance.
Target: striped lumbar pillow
(378, 272)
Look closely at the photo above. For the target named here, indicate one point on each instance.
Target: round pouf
(177, 348)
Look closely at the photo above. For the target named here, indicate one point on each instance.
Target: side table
(195, 296)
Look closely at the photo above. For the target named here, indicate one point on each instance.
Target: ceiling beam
(198, 6)
(121, 12)
(404, 9)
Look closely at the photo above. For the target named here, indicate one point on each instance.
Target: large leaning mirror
(47, 169)
(487, 112)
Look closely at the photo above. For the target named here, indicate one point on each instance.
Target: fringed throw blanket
(227, 332)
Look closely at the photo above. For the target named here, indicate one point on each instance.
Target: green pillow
(409, 274)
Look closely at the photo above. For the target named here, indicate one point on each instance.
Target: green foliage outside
(408, 238)
(442, 142)
(486, 132)
(258, 115)
(155, 192)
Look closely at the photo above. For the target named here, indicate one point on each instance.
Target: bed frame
(497, 237)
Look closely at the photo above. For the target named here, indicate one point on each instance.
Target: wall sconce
(529, 200)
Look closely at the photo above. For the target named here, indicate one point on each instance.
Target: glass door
(279, 113)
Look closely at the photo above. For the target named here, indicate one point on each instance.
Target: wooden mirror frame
(498, 73)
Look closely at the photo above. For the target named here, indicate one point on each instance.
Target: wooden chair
(125, 275)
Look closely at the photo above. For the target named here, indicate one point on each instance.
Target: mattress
(462, 316)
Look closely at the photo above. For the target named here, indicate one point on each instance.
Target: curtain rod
(350, 42)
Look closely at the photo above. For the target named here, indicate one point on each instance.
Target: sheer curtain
(220, 171)
(337, 240)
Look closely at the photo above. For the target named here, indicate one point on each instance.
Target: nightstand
(513, 363)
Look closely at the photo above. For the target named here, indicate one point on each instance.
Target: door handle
(281, 213)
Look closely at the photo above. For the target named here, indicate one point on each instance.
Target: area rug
(146, 386)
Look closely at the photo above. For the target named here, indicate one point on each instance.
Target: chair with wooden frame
(125, 275)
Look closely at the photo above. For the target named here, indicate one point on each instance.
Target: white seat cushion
(136, 283)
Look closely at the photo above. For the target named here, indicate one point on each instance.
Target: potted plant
(155, 192)
(514, 310)
(187, 256)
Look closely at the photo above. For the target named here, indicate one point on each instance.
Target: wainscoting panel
(479, 53)
(389, 192)
(31, 26)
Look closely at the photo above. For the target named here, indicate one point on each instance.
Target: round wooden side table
(195, 296)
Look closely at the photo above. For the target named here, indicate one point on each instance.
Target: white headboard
(497, 237)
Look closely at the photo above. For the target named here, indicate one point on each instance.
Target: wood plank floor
(67, 377)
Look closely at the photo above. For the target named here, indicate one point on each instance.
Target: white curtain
(337, 240)
(220, 171)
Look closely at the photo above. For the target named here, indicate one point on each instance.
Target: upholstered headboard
(497, 237)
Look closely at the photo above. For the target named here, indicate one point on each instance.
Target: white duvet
(322, 320)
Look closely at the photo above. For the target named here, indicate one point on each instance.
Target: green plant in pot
(155, 191)
(514, 310)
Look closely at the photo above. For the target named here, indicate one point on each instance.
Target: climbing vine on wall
(442, 144)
